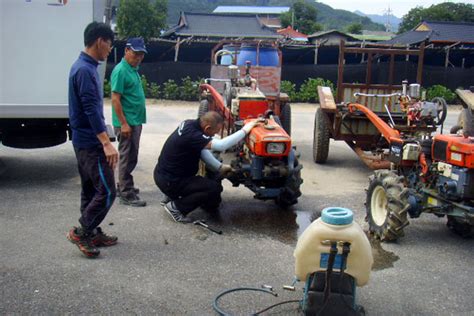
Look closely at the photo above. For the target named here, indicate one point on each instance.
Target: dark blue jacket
(86, 108)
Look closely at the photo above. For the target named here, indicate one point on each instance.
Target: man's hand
(111, 154)
(125, 131)
(226, 171)
(248, 127)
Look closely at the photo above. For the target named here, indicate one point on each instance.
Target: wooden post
(421, 59)
(462, 63)
(340, 73)
(316, 51)
(176, 49)
(446, 61)
(362, 45)
(407, 57)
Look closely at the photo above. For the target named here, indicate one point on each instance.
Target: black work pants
(128, 159)
(191, 193)
(98, 186)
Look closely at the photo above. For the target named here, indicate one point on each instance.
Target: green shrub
(171, 91)
(309, 89)
(107, 88)
(440, 91)
(153, 91)
(144, 84)
(289, 88)
(189, 89)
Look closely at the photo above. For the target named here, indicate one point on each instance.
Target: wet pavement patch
(383, 259)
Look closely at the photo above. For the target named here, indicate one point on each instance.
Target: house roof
(220, 25)
(251, 10)
(330, 32)
(436, 32)
(293, 34)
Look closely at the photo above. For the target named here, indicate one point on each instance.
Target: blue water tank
(227, 59)
(268, 56)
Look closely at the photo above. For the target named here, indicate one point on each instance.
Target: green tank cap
(337, 216)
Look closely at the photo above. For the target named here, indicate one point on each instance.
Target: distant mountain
(330, 18)
(382, 19)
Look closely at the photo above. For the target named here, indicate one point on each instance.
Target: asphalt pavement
(165, 268)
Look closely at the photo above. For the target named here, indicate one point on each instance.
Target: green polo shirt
(126, 81)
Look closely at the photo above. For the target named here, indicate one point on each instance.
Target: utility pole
(388, 25)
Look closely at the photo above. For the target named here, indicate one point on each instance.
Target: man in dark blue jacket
(96, 156)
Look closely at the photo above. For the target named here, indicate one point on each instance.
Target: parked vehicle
(428, 174)
(40, 41)
(266, 162)
(383, 97)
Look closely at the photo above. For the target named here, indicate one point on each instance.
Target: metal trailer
(337, 122)
(39, 42)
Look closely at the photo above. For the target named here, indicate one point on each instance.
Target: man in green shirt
(128, 115)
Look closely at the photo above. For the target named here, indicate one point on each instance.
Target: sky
(398, 7)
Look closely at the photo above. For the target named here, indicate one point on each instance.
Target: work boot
(132, 200)
(176, 214)
(100, 239)
(83, 241)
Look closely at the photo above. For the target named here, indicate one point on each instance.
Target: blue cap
(337, 216)
(137, 44)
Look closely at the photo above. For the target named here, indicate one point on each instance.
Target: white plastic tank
(335, 224)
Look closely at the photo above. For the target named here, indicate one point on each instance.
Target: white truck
(39, 41)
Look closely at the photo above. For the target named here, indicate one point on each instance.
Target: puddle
(383, 259)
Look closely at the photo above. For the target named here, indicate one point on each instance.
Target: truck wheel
(285, 117)
(460, 228)
(386, 208)
(320, 137)
(291, 192)
(203, 107)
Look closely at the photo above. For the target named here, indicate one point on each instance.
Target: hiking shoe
(132, 201)
(83, 242)
(100, 239)
(176, 214)
(165, 200)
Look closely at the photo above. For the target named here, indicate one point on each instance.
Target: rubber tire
(390, 188)
(320, 137)
(292, 191)
(460, 228)
(444, 105)
(285, 117)
(203, 108)
(455, 129)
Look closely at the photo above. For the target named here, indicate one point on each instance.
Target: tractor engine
(455, 166)
(267, 163)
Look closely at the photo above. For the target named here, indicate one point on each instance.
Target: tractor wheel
(285, 117)
(455, 129)
(386, 207)
(442, 108)
(460, 228)
(320, 137)
(203, 107)
(291, 192)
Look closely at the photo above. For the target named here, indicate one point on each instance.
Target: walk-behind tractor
(266, 162)
(428, 174)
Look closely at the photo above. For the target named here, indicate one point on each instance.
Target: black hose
(275, 305)
(216, 299)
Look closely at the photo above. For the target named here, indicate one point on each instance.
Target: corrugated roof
(251, 9)
(324, 33)
(220, 25)
(446, 32)
(293, 34)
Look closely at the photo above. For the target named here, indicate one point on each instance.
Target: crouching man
(175, 172)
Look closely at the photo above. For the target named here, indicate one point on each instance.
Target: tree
(447, 11)
(354, 28)
(141, 18)
(302, 17)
